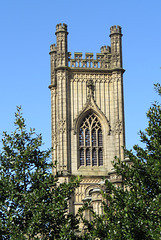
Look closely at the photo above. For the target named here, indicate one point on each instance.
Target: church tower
(87, 114)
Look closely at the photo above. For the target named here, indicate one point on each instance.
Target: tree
(32, 203)
(133, 211)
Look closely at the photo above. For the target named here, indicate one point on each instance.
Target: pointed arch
(90, 141)
(91, 107)
(91, 127)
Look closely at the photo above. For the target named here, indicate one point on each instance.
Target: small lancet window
(91, 141)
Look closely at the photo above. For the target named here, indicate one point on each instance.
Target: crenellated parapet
(61, 27)
(109, 58)
(105, 49)
(102, 60)
(115, 29)
(53, 48)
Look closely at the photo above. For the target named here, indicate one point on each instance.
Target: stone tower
(87, 114)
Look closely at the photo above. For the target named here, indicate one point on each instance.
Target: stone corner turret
(115, 30)
(61, 28)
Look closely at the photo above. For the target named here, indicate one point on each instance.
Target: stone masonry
(87, 114)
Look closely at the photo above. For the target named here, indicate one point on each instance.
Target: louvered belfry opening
(90, 141)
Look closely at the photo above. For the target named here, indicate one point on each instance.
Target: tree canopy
(133, 211)
(32, 203)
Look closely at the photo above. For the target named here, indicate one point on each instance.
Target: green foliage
(34, 206)
(32, 203)
(133, 211)
(157, 87)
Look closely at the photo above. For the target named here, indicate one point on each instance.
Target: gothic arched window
(90, 141)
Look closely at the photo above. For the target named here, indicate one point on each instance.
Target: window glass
(91, 141)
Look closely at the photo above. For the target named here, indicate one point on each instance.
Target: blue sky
(27, 29)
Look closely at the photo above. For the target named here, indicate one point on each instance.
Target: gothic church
(87, 114)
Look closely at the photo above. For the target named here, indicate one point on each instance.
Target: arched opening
(90, 141)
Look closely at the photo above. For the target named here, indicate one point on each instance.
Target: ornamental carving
(91, 105)
(99, 78)
(62, 125)
(90, 180)
(90, 87)
(118, 127)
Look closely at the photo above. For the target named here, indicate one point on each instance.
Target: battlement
(53, 48)
(101, 61)
(105, 49)
(110, 57)
(115, 29)
(61, 27)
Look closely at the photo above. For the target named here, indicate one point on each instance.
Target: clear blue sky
(27, 29)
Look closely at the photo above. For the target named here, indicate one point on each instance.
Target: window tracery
(90, 141)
